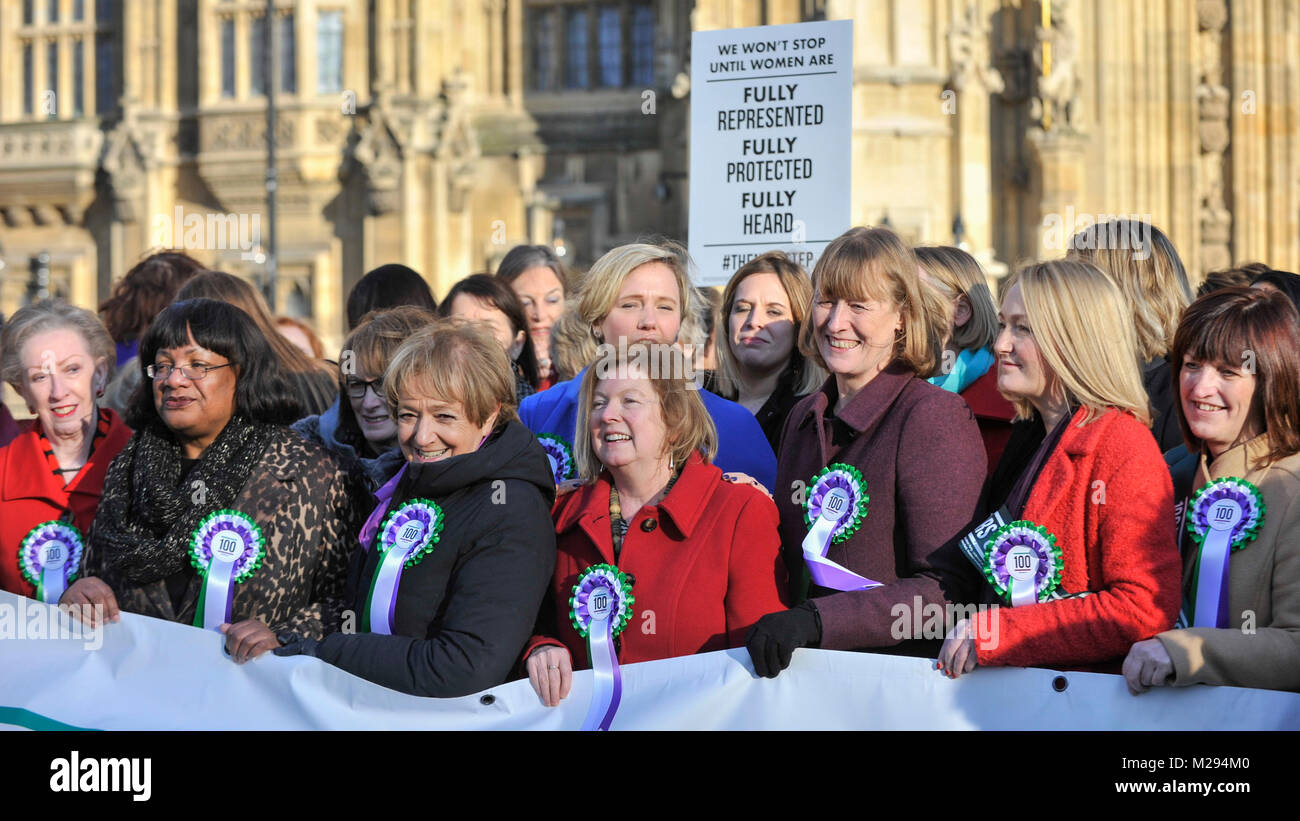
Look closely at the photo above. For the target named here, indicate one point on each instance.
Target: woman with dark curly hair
(215, 513)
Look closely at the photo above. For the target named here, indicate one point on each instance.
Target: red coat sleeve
(757, 582)
(1139, 588)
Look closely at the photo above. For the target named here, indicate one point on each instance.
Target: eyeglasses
(191, 372)
(357, 389)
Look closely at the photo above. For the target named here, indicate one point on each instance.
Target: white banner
(771, 143)
(146, 674)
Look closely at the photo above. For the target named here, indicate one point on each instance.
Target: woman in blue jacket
(643, 293)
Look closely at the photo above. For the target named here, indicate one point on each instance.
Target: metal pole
(272, 81)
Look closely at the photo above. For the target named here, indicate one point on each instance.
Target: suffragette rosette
(600, 607)
(834, 510)
(49, 557)
(405, 537)
(560, 455)
(227, 548)
(1225, 515)
(1023, 563)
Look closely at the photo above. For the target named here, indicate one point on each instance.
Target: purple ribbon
(1215, 553)
(384, 495)
(607, 680)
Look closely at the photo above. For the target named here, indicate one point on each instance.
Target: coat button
(648, 525)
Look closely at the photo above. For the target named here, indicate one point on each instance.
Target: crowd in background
(1098, 467)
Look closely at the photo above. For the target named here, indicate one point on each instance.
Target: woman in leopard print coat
(210, 418)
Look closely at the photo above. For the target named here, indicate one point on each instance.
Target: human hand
(958, 654)
(1148, 665)
(90, 599)
(568, 486)
(746, 479)
(774, 638)
(248, 640)
(550, 671)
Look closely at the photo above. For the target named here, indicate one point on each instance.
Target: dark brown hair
(144, 291)
(1227, 327)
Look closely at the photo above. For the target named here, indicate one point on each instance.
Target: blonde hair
(455, 361)
(604, 280)
(1146, 267)
(798, 289)
(1080, 323)
(875, 263)
(960, 275)
(572, 345)
(688, 427)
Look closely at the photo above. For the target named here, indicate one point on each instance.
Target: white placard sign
(771, 150)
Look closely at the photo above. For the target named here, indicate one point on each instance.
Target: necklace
(617, 524)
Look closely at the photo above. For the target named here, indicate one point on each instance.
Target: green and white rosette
(406, 536)
(600, 607)
(560, 455)
(834, 510)
(49, 557)
(227, 548)
(1023, 563)
(1225, 515)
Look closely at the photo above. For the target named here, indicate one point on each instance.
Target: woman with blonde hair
(968, 356)
(759, 363)
(457, 555)
(664, 516)
(643, 293)
(1145, 265)
(315, 381)
(878, 467)
(1073, 530)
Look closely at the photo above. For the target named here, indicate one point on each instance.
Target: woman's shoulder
(288, 453)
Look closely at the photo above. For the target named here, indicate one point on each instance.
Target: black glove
(293, 644)
(772, 641)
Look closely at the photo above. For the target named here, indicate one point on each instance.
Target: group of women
(890, 439)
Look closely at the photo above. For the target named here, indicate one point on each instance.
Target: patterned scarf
(147, 515)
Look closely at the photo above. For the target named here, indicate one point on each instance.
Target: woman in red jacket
(1078, 542)
(704, 553)
(58, 358)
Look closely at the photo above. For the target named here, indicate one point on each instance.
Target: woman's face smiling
(431, 429)
(1219, 404)
(855, 337)
(196, 410)
(371, 412)
(627, 423)
(62, 380)
(1022, 371)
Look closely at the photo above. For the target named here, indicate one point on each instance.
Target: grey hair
(51, 315)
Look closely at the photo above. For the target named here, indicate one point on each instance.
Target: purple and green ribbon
(1023, 563)
(560, 455)
(834, 510)
(1225, 515)
(600, 607)
(227, 548)
(49, 557)
(405, 537)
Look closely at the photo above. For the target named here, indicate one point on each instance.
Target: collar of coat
(865, 410)
(1111, 428)
(1240, 461)
(680, 511)
(24, 456)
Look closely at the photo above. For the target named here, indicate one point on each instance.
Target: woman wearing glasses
(358, 426)
(215, 514)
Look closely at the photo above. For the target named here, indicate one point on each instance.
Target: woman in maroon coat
(905, 455)
(703, 552)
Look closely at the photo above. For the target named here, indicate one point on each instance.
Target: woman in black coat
(457, 556)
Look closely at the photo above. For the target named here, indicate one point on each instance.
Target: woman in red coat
(704, 553)
(58, 358)
(1078, 542)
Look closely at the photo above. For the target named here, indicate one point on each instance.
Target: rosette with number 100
(227, 548)
(600, 607)
(1023, 563)
(1224, 516)
(405, 537)
(834, 510)
(49, 557)
(560, 455)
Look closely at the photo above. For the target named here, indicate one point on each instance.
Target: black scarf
(147, 517)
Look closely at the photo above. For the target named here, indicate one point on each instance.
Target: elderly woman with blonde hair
(1073, 537)
(1145, 265)
(457, 555)
(643, 293)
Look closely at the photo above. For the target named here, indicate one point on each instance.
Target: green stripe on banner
(19, 717)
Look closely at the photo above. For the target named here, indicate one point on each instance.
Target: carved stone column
(1213, 101)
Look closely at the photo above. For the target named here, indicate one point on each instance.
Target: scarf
(970, 365)
(147, 518)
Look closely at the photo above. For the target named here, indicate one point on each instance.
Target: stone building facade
(440, 132)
